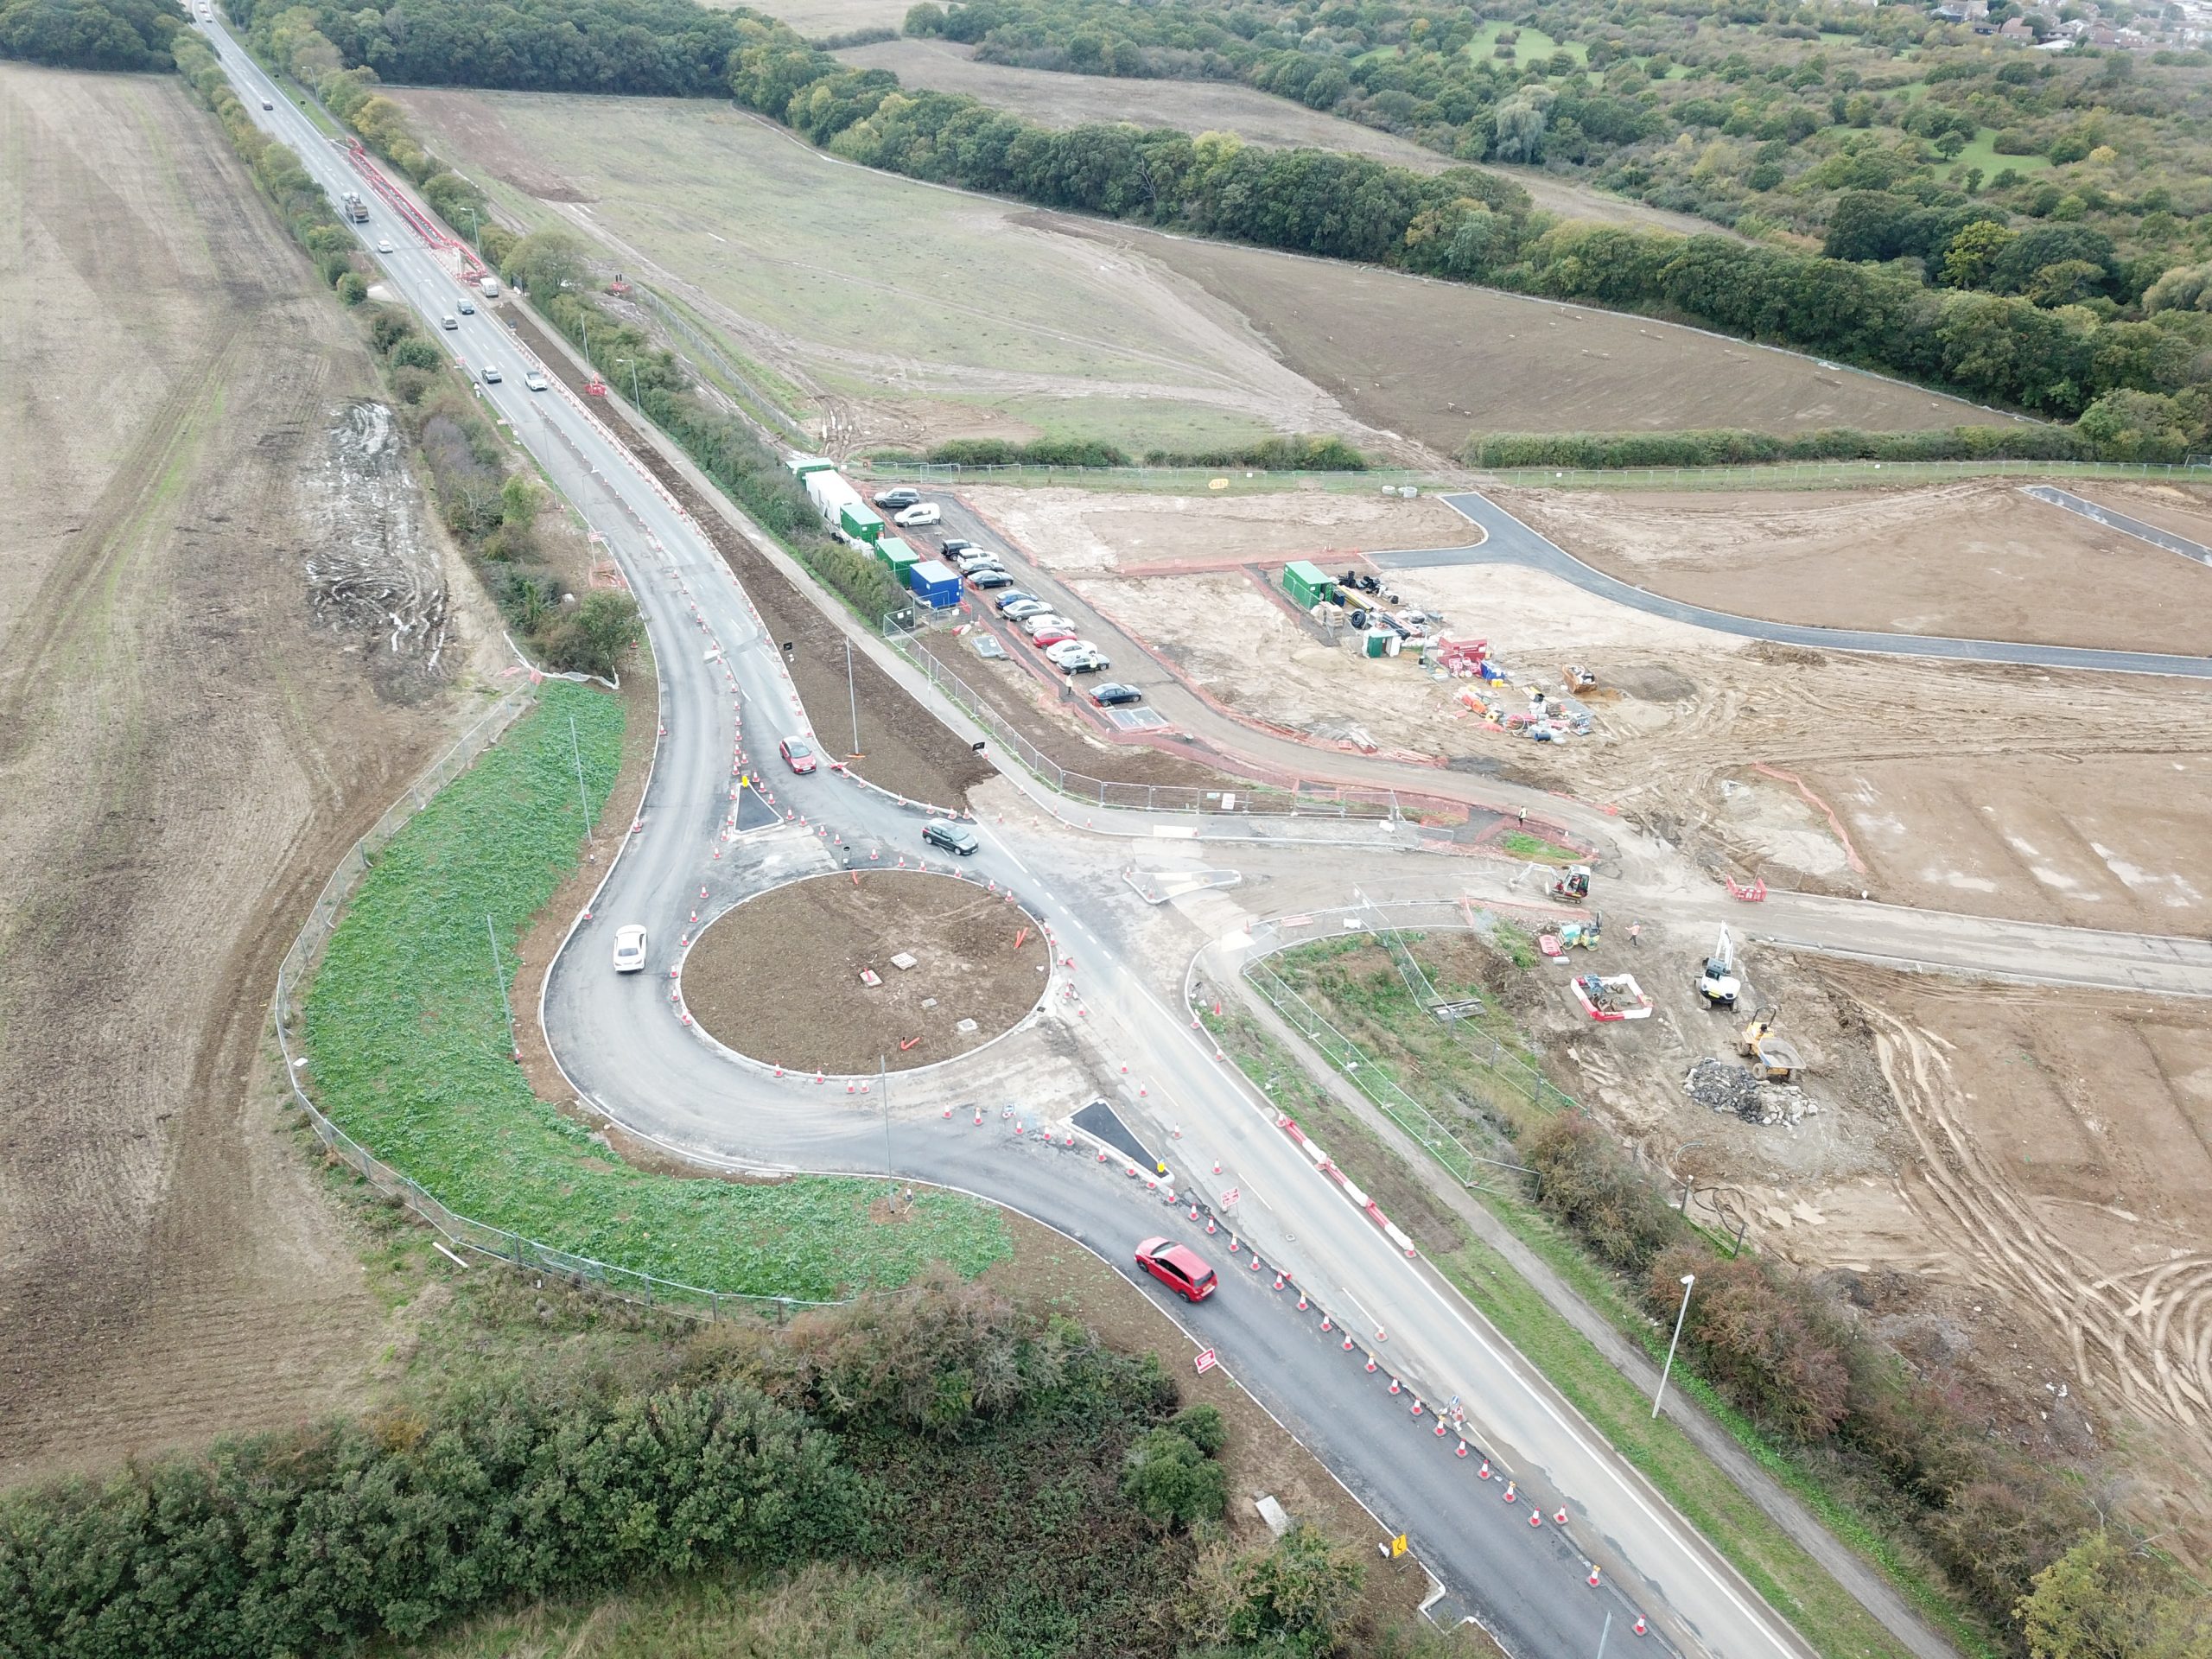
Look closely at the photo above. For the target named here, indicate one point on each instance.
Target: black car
(952, 545)
(1113, 692)
(953, 837)
(901, 496)
(989, 578)
(1014, 598)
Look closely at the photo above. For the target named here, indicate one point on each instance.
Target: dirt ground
(1437, 361)
(186, 747)
(1979, 558)
(1072, 532)
(781, 977)
(1196, 106)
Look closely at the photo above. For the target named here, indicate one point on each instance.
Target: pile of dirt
(373, 567)
(1728, 1088)
(842, 973)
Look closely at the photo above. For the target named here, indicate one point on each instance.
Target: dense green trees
(91, 33)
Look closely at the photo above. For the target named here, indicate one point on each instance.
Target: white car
(1070, 648)
(1033, 625)
(384, 244)
(629, 948)
(927, 513)
(449, 321)
(535, 381)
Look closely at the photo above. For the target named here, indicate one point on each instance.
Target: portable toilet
(935, 583)
(897, 557)
(1306, 584)
(858, 522)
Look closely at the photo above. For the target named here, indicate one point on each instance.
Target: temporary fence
(1806, 474)
(496, 1243)
(1301, 798)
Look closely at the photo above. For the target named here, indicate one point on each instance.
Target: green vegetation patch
(410, 1054)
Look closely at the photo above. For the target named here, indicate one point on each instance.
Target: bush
(1604, 450)
(1202, 1425)
(1583, 1179)
(1295, 1598)
(1173, 1480)
(416, 353)
(595, 638)
(352, 289)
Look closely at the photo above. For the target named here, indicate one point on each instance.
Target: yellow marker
(1398, 1545)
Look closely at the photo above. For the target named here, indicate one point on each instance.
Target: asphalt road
(2051, 495)
(1506, 540)
(626, 1044)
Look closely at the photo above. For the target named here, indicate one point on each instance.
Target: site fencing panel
(463, 1231)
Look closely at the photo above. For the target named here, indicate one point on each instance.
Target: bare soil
(185, 750)
(779, 977)
(1435, 361)
(911, 752)
(1069, 100)
(1979, 559)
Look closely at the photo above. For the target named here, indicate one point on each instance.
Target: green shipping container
(897, 557)
(1306, 584)
(860, 523)
(801, 465)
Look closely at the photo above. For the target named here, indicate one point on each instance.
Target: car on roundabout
(953, 837)
(1180, 1268)
(798, 754)
(629, 948)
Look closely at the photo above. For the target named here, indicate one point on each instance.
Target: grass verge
(409, 1054)
(1797, 1584)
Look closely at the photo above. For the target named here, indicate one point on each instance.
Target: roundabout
(846, 972)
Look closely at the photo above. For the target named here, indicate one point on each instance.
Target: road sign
(1398, 1545)
(1204, 1361)
(1231, 1196)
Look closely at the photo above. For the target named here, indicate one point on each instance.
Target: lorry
(356, 209)
(488, 286)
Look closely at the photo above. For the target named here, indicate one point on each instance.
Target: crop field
(410, 1055)
(1258, 117)
(185, 751)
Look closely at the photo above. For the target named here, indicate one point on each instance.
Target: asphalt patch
(1102, 1121)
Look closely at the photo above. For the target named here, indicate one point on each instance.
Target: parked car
(1180, 1268)
(953, 837)
(990, 576)
(1088, 662)
(490, 374)
(629, 948)
(466, 307)
(952, 545)
(798, 754)
(927, 513)
(1008, 601)
(892, 501)
(1113, 692)
(449, 321)
(1015, 610)
(974, 558)
(1053, 633)
(1070, 648)
(1036, 626)
(535, 381)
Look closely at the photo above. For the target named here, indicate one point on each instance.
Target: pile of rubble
(1728, 1088)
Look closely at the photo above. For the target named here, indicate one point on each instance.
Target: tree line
(127, 35)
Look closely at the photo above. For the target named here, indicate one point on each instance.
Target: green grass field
(882, 289)
(1982, 153)
(410, 1055)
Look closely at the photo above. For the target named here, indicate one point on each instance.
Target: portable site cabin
(935, 583)
(801, 465)
(1306, 584)
(860, 521)
(897, 557)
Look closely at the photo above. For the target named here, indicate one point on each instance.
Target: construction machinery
(1577, 678)
(1716, 981)
(1772, 1059)
(1571, 884)
(1608, 997)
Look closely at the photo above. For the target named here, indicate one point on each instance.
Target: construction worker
(1636, 934)
(1524, 818)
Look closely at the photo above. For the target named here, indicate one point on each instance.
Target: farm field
(1979, 558)
(184, 753)
(973, 317)
(1067, 100)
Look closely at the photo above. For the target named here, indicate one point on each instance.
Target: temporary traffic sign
(1204, 1361)
(1231, 1196)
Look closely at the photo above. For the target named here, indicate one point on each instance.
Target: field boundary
(1813, 474)
(494, 1244)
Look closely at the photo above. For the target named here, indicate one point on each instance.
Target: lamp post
(631, 363)
(1689, 1182)
(1689, 1278)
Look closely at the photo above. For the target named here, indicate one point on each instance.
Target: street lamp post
(631, 363)
(1689, 1182)
(1689, 1278)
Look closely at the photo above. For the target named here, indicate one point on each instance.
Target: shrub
(1202, 1425)
(1583, 1179)
(416, 353)
(596, 637)
(1171, 1481)
(1295, 1597)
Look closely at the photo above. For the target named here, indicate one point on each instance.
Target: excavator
(1772, 1059)
(1571, 884)
(1716, 981)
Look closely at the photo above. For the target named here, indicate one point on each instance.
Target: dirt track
(184, 751)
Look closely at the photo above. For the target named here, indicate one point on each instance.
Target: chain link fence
(1301, 799)
(462, 1231)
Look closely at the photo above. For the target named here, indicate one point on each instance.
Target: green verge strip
(410, 1055)
(1827, 1614)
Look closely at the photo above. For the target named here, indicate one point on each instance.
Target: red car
(1051, 636)
(798, 754)
(1179, 1267)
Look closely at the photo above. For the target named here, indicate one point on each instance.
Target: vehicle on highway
(1015, 609)
(990, 576)
(1180, 1268)
(449, 321)
(1115, 692)
(629, 948)
(1008, 601)
(384, 243)
(927, 513)
(798, 754)
(892, 501)
(953, 837)
(466, 307)
(536, 381)
(490, 374)
(268, 103)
